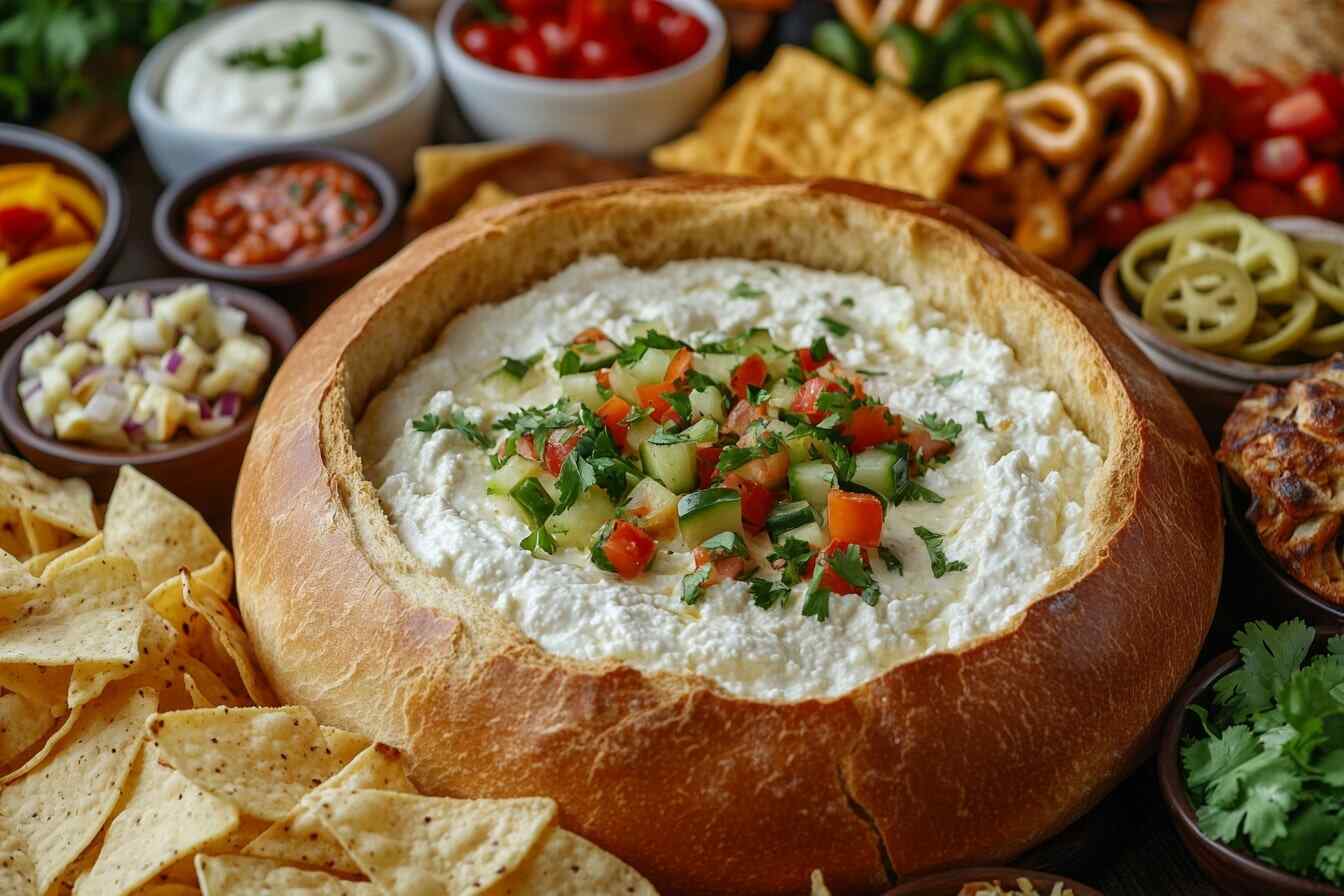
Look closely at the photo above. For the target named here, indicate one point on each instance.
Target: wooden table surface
(1127, 847)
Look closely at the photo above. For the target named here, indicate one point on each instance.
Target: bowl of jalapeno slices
(1221, 300)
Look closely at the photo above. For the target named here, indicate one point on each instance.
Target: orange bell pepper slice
(42, 269)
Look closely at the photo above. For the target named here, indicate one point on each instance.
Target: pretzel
(1061, 31)
(1054, 119)
(1164, 53)
(869, 18)
(1042, 226)
(1142, 141)
(929, 14)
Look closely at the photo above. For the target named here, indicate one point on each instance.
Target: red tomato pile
(1269, 148)
(584, 39)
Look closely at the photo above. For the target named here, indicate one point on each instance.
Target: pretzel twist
(1061, 31)
(869, 18)
(1054, 119)
(1042, 226)
(1141, 143)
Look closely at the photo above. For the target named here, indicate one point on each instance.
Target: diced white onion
(230, 322)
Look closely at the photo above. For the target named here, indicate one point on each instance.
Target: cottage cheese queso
(804, 478)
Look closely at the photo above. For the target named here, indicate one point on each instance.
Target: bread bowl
(970, 754)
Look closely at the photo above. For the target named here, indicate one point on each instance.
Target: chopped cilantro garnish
(458, 422)
(890, 560)
(847, 301)
(668, 437)
(680, 403)
(568, 363)
(725, 544)
(766, 594)
(818, 602)
(906, 488)
(949, 379)
(744, 290)
(735, 456)
(848, 564)
(836, 328)
(933, 542)
(293, 54)
(945, 429)
(598, 553)
(517, 367)
(651, 339)
(531, 420)
(693, 584)
(757, 394)
(980, 418)
(819, 350)
(538, 540)
(790, 557)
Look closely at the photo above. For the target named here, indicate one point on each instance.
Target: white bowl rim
(453, 55)
(401, 31)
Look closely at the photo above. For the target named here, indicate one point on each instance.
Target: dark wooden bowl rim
(171, 208)
(946, 883)
(264, 317)
(1265, 878)
(94, 172)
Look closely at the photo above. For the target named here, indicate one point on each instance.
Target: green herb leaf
(757, 394)
(736, 456)
(693, 584)
(890, 560)
(835, 326)
(457, 421)
(1269, 657)
(680, 403)
(849, 565)
(907, 489)
(538, 540)
(576, 477)
(668, 436)
(726, 544)
(766, 594)
(568, 363)
(517, 367)
(818, 597)
(598, 553)
(949, 379)
(847, 301)
(744, 290)
(820, 351)
(293, 54)
(980, 418)
(490, 11)
(933, 542)
(945, 429)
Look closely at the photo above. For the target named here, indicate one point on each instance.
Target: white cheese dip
(1015, 487)
(229, 81)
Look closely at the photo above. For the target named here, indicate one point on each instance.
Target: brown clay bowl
(949, 883)
(1289, 597)
(201, 471)
(19, 144)
(1231, 870)
(170, 213)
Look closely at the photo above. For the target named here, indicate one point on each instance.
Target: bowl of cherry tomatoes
(613, 77)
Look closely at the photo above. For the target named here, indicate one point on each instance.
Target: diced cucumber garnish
(533, 501)
(802, 447)
(716, 367)
(514, 471)
(652, 367)
(574, 526)
(639, 432)
(810, 534)
(777, 361)
(705, 431)
(652, 507)
(708, 402)
(583, 388)
(782, 394)
(873, 471)
(758, 342)
(624, 383)
(673, 465)
(595, 355)
(708, 512)
(787, 516)
(811, 482)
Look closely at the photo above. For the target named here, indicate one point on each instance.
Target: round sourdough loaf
(970, 755)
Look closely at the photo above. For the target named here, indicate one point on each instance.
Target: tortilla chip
(196, 637)
(204, 688)
(48, 747)
(302, 839)
(956, 117)
(16, 582)
(66, 504)
(168, 889)
(236, 875)
(22, 726)
(344, 745)
(411, 844)
(38, 562)
(88, 613)
(160, 532)
(71, 554)
(488, 195)
(819, 884)
(18, 877)
(992, 152)
(709, 147)
(218, 615)
(157, 640)
(47, 685)
(565, 864)
(440, 168)
(60, 806)
(261, 760)
(165, 818)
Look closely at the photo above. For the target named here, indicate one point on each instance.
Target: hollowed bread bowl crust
(968, 756)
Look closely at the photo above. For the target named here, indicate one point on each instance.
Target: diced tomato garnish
(1256, 90)
(723, 569)
(743, 414)
(809, 363)
(757, 500)
(837, 373)
(805, 402)
(770, 471)
(628, 549)
(1281, 160)
(558, 447)
(707, 464)
(1303, 113)
(1323, 188)
(680, 363)
(854, 517)
(925, 445)
(603, 375)
(871, 425)
(592, 334)
(1172, 193)
(751, 372)
(613, 413)
(831, 580)
(526, 448)
(1263, 199)
(1120, 221)
(651, 396)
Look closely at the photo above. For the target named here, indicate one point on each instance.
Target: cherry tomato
(1218, 96)
(645, 14)
(559, 40)
(529, 10)
(595, 18)
(1328, 85)
(1214, 159)
(1281, 160)
(1172, 193)
(486, 42)
(1257, 90)
(1121, 220)
(1263, 199)
(628, 549)
(21, 225)
(529, 56)
(601, 56)
(1323, 189)
(1303, 113)
(680, 36)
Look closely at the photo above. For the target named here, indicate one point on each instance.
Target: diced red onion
(133, 429)
(228, 404)
(172, 361)
(202, 405)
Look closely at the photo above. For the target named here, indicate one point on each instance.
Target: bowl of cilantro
(1252, 762)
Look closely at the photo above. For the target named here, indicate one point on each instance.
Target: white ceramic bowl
(389, 132)
(617, 117)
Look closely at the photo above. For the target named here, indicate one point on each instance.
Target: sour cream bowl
(387, 126)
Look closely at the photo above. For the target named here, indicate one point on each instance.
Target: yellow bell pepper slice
(41, 269)
(34, 192)
(10, 174)
(68, 228)
(77, 196)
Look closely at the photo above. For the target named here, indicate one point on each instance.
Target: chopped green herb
(744, 290)
(890, 560)
(836, 328)
(597, 553)
(726, 544)
(790, 557)
(490, 11)
(906, 487)
(680, 403)
(457, 421)
(980, 418)
(631, 354)
(819, 350)
(293, 54)
(517, 367)
(737, 455)
(532, 420)
(847, 301)
(949, 379)
(945, 429)
(870, 372)
(568, 363)
(538, 540)
(766, 594)
(757, 394)
(668, 437)
(848, 564)
(933, 542)
(818, 597)
(348, 201)
(693, 584)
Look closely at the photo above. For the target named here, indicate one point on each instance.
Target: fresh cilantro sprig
(789, 557)
(640, 346)
(744, 290)
(933, 543)
(516, 367)
(944, 428)
(693, 584)
(538, 540)
(849, 565)
(293, 54)
(528, 421)
(903, 471)
(767, 594)
(836, 327)
(726, 544)
(890, 560)
(949, 379)
(457, 421)
(982, 420)
(736, 456)
(1267, 774)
